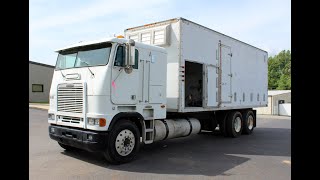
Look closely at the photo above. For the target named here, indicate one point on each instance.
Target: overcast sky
(54, 24)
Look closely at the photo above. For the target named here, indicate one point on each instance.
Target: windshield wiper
(62, 74)
(88, 67)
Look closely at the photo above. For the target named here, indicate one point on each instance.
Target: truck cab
(98, 83)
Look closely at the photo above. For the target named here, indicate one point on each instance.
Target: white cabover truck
(163, 80)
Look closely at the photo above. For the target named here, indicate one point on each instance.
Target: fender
(127, 115)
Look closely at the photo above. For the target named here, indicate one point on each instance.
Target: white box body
(235, 74)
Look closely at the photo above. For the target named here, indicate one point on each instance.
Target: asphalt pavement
(265, 154)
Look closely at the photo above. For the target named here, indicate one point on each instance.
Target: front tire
(248, 122)
(234, 124)
(123, 143)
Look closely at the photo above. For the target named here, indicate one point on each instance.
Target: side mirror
(130, 56)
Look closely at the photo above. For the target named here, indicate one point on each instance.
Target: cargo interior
(193, 84)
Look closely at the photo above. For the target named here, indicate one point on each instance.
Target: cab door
(124, 87)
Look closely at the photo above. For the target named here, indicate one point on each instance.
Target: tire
(234, 124)
(118, 152)
(248, 122)
(67, 147)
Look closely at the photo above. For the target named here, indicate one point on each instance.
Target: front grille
(70, 119)
(70, 98)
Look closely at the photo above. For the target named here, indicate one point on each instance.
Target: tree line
(279, 71)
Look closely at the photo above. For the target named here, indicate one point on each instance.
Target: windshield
(92, 55)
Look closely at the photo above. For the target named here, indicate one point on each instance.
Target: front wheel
(123, 143)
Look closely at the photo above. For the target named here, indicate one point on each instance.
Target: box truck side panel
(173, 67)
(243, 75)
(241, 83)
(249, 76)
(199, 45)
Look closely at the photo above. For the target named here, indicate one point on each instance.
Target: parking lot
(266, 154)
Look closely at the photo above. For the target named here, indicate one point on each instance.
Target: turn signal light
(102, 122)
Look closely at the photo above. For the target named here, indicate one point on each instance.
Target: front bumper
(79, 138)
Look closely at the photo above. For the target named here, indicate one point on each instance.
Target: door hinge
(230, 75)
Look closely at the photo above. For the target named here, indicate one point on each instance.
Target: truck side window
(136, 59)
(120, 57)
(119, 61)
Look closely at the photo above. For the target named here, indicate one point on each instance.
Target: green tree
(279, 71)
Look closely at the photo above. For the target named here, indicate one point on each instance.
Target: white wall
(275, 100)
(39, 74)
(285, 109)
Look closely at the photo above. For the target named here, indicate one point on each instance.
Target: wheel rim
(237, 124)
(125, 142)
(250, 122)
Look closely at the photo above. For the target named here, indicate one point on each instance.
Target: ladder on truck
(149, 130)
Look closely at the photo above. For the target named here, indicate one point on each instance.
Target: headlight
(51, 116)
(91, 121)
(97, 121)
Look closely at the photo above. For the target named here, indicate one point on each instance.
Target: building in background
(279, 103)
(40, 77)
